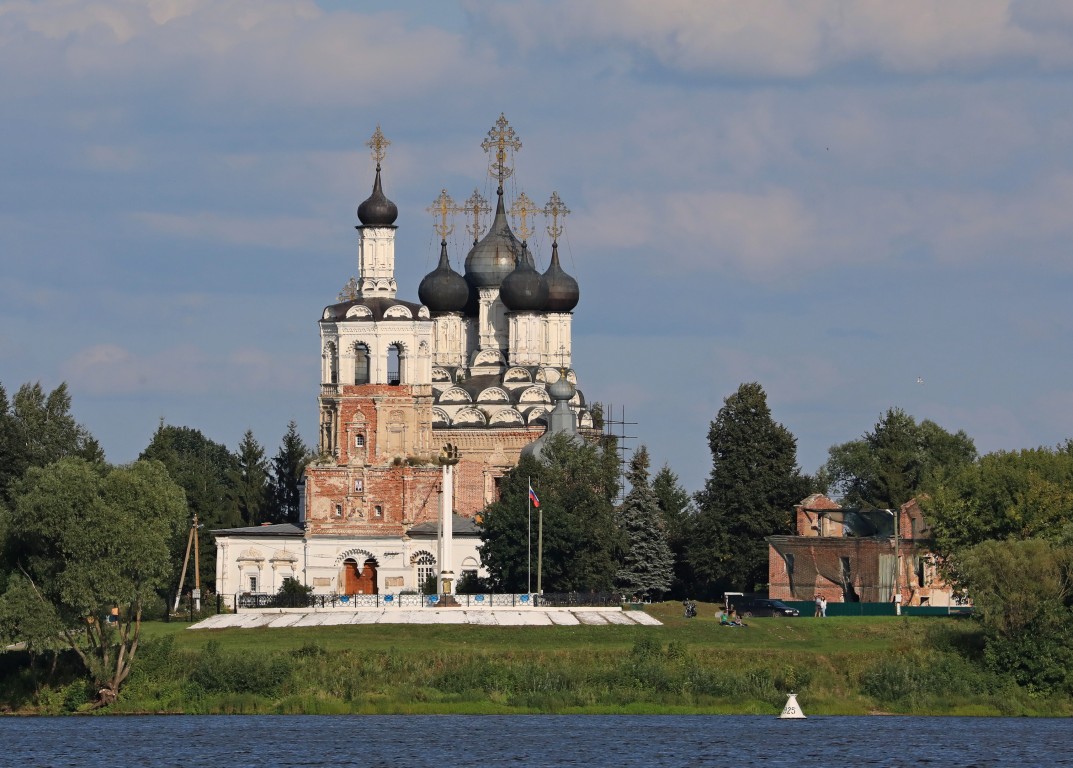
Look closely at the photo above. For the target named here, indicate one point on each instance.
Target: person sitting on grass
(731, 620)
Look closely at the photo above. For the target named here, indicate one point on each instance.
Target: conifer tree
(248, 491)
(647, 563)
(676, 506)
(754, 483)
(287, 469)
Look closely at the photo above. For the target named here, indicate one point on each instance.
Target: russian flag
(533, 497)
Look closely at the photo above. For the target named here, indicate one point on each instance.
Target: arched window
(361, 364)
(395, 360)
(332, 363)
(426, 567)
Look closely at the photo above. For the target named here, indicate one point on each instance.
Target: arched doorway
(359, 581)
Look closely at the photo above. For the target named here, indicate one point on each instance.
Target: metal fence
(403, 600)
(807, 608)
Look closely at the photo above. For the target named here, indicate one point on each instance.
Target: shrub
(233, 673)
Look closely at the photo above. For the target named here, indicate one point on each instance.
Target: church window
(338, 510)
(394, 364)
(426, 568)
(361, 364)
(359, 441)
(253, 583)
(378, 511)
(333, 363)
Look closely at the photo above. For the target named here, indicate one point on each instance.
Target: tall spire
(494, 257)
(563, 293)
(377, 210)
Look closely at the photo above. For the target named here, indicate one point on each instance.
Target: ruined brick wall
(821, 564)
(370, 501)
(487, 454)
(809, 520)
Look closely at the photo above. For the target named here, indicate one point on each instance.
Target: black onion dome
(378, 211)
(563, 291)
(443, 289)
(524, 289)
(495, 256)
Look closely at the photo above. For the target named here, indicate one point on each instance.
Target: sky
(860, 205)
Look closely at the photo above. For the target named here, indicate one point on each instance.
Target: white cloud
(788, 38)
(272, 51)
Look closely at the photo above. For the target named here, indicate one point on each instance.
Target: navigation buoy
(792, 710)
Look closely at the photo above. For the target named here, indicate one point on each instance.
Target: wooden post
(186, 561)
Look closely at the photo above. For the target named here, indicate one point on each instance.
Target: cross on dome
(553, 210)
(521, 210)
(378, 144)
(501, 138)
(476, 206)
(442, 207)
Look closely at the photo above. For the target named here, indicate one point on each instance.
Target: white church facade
(423, 404)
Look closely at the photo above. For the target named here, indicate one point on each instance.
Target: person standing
(823, 607)
(818, 612)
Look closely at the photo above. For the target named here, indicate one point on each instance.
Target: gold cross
(501, 137)
(378, 144)
(521, 209)
(442, 207)
(476, 206)
(554, 209)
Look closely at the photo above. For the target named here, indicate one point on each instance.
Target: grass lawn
(838, 665)
(805, 635)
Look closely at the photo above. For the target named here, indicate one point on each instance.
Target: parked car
(762, 606)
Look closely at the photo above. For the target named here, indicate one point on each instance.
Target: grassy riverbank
(837, 666)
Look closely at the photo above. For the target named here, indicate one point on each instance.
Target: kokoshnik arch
(480, 363)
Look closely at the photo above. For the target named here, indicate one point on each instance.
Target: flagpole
(529, 508)
(540, 549)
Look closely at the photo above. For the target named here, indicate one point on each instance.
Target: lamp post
(449, 457)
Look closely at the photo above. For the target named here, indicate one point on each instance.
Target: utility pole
(191, 543)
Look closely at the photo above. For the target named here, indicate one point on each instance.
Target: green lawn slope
(852, 665)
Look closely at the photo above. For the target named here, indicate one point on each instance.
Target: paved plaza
(503, 617)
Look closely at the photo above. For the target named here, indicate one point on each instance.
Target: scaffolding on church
(614, 429)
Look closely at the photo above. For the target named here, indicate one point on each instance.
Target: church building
(423, 404)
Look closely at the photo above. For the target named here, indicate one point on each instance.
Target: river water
(450, 741)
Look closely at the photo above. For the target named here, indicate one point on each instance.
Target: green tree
(676, 506)
(288, 466)
(202, 468)
(891, 464)
(750, 493)
(1023, 595)
(248, 481)
(577, 483)
(88, 539)
(1004, 495)
(36, 429)
(647, 565)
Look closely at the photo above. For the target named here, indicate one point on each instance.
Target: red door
(366, 581)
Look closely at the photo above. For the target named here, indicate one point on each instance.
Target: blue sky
(830, 198)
